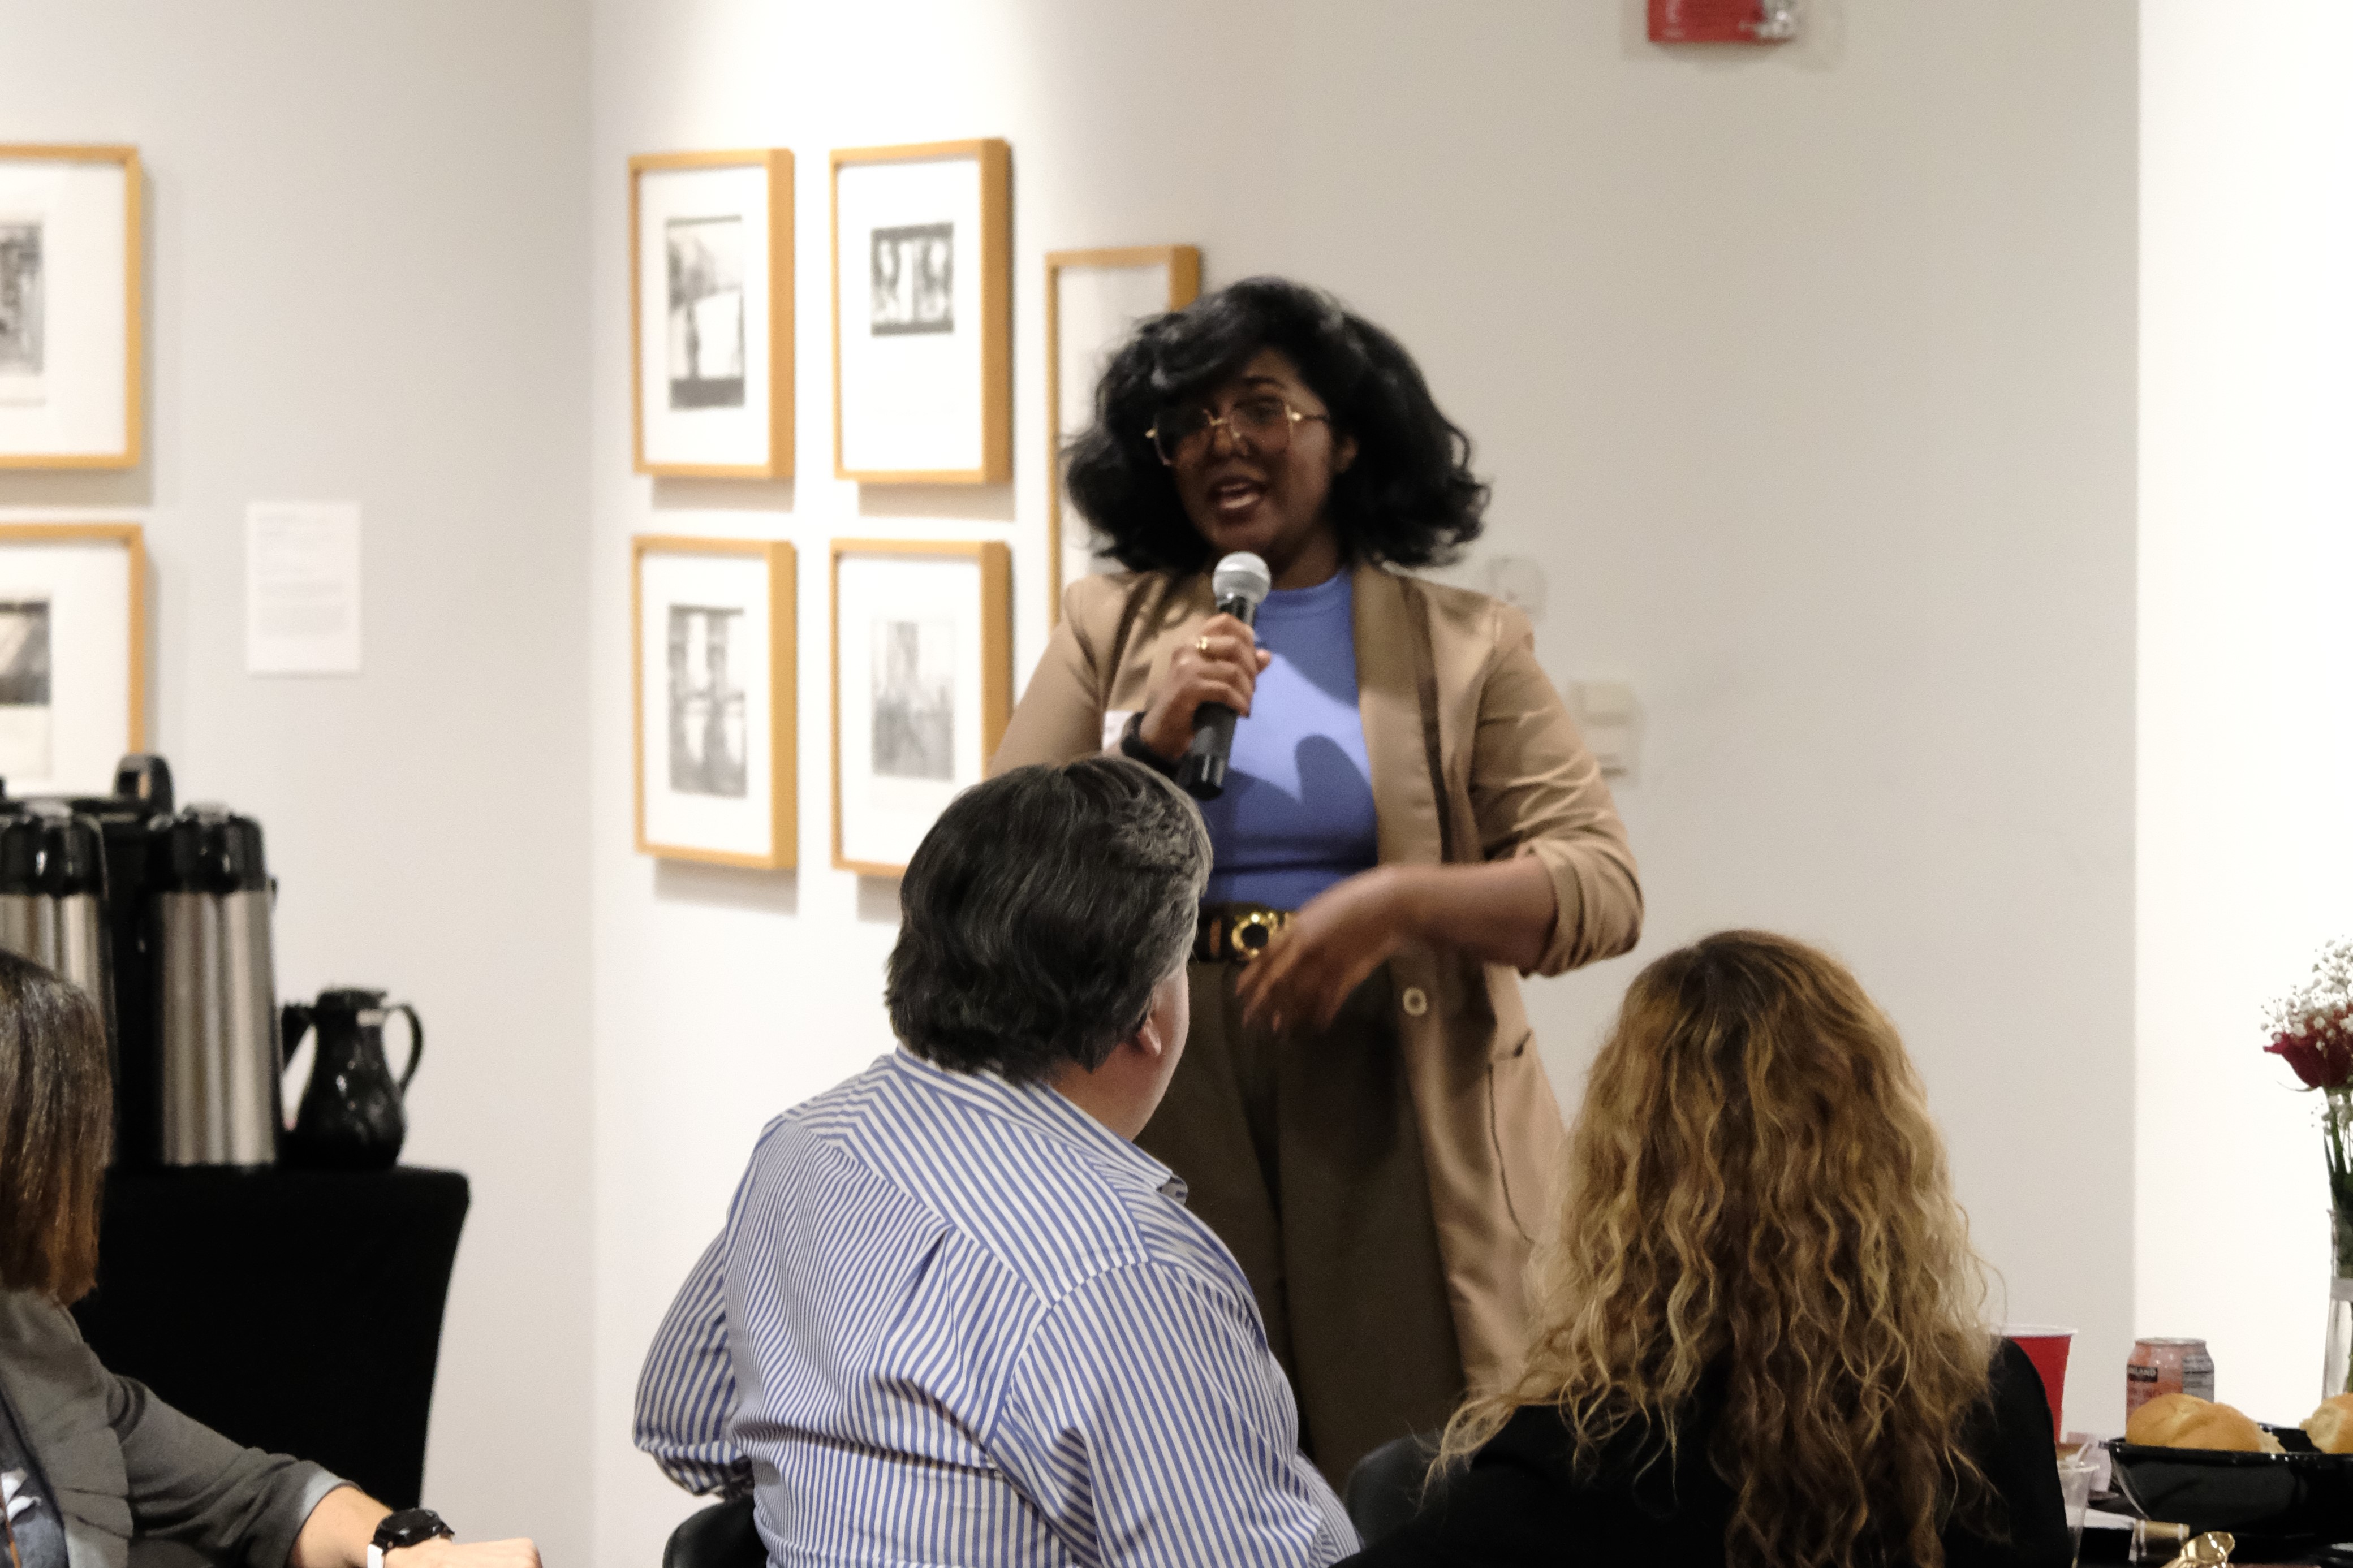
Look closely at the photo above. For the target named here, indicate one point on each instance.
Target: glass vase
(2336, 1357)
(2337, 1134)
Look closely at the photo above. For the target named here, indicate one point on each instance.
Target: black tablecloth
(294, 1311)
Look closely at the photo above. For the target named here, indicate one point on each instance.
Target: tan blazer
(1474, 758)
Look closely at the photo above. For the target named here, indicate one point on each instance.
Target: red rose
(2307, 1060)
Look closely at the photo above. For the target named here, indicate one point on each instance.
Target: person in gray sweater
(95, 1471)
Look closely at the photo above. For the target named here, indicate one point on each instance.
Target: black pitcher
(350, 1117)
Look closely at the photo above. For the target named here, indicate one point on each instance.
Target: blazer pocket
(109, 1513)
(1499, 1143)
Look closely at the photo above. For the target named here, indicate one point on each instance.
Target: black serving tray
(2278, 1505)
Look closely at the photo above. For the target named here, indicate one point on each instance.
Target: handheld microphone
(1241, 581)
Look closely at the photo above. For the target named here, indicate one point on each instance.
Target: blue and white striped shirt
(955, 1320)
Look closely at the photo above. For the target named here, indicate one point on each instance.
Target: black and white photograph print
(24, 652)
(71, 346)
(914, 280)
(21, 308)
(706, 703)
(711, 688)
(24, 729)
(711, 319)
(923, 683)
(922, 315)
(706, 312)
(914, 699)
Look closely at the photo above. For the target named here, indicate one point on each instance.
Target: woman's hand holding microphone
(1221, 663)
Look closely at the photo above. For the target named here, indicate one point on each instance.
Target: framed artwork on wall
(1093, 300)
(712, 632)
(711, 313)
(923, 313)
(70, 381)
(73, 654)
(923, 686)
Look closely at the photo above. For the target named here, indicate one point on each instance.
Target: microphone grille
(1242, 575)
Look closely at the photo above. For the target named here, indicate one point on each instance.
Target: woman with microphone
(1408, 822)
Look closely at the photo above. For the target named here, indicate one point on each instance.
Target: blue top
(1297, 813)
(953, 1318)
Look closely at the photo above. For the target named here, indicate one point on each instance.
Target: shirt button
(1414, 1002)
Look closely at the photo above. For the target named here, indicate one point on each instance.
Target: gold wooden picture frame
(73, 654)
(1066, 397)
(922, 682)
(725, 291)
(922, 321)
(60, 404)
(727, 789)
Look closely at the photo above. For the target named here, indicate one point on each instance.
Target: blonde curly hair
(1754, 1185)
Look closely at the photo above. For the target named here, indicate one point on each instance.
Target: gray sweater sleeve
(188, 1483)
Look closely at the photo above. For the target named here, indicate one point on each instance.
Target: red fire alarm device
(1722, 21)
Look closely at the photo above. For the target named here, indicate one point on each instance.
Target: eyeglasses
(1185, 435)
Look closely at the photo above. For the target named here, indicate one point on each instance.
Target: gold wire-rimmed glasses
(1265, 421)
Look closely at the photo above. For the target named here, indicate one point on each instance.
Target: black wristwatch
(1132, 746)
(409, 1527)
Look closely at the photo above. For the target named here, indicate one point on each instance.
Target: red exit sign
(1722, 21)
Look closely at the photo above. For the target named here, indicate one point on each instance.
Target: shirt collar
(1044, 1110)
(1330, 596)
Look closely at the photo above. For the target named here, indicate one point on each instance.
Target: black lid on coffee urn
(50, 852)
(24, 848)
(210, 850)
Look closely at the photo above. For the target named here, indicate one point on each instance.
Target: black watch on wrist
(1132, 746)
(409, 1527)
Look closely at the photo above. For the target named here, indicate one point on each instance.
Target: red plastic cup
(2046, 1347)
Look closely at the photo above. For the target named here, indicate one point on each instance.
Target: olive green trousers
(1302, 1155)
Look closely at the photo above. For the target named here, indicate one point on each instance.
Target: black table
(298, 1312)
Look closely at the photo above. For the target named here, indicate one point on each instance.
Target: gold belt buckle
(1264, 922)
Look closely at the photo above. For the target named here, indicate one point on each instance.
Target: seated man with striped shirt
(955, 1316)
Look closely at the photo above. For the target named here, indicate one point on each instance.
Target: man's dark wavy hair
(1039, 913)
(1409, 499)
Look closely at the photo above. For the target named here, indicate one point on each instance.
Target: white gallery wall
(1805, 376)
(2246, 667)
(366, 281)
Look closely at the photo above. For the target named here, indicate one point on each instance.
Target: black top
(1517, 1503)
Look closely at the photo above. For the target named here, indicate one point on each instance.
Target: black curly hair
(1409, 499)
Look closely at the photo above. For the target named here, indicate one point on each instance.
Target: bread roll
(2156, 1424)
(2186, 1421)
(2330, 1428)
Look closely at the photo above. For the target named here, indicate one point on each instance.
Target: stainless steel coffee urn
(52, 896)
(218, 993)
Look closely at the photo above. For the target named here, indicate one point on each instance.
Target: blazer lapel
(1388, 701)
(60, 1409)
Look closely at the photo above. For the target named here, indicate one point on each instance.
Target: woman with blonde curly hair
(1759, 1339)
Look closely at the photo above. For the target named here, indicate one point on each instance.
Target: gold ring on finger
(1201, 644)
